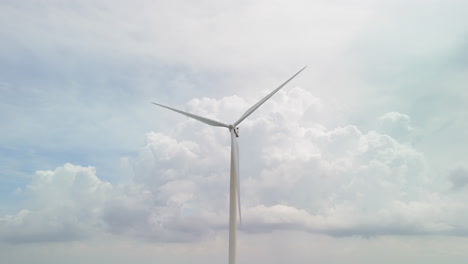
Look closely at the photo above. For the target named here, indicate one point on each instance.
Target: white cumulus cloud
(295, 175)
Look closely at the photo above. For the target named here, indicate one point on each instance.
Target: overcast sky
(362, 158)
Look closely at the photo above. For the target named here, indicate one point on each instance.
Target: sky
(361, 158)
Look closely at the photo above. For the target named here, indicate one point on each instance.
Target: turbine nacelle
(234, 129)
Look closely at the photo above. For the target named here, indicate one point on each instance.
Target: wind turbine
(234, 191)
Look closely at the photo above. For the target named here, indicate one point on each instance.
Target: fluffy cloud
(71, 203)
(396, 125)
(62, 205)
(295, 175)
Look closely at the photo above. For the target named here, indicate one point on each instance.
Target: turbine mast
(233, 191)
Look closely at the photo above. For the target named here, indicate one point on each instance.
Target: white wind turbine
(234, 178)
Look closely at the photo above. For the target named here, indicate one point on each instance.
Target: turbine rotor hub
(235, 129)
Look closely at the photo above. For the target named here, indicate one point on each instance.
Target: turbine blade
(257, 105)
(199, 118)
(235, 153)
(233, 202)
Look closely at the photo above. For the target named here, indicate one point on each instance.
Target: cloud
(71, 203)
(63, 205)
(396, 125)
(295, 175)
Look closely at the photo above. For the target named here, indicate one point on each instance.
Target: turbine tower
(234, 189)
